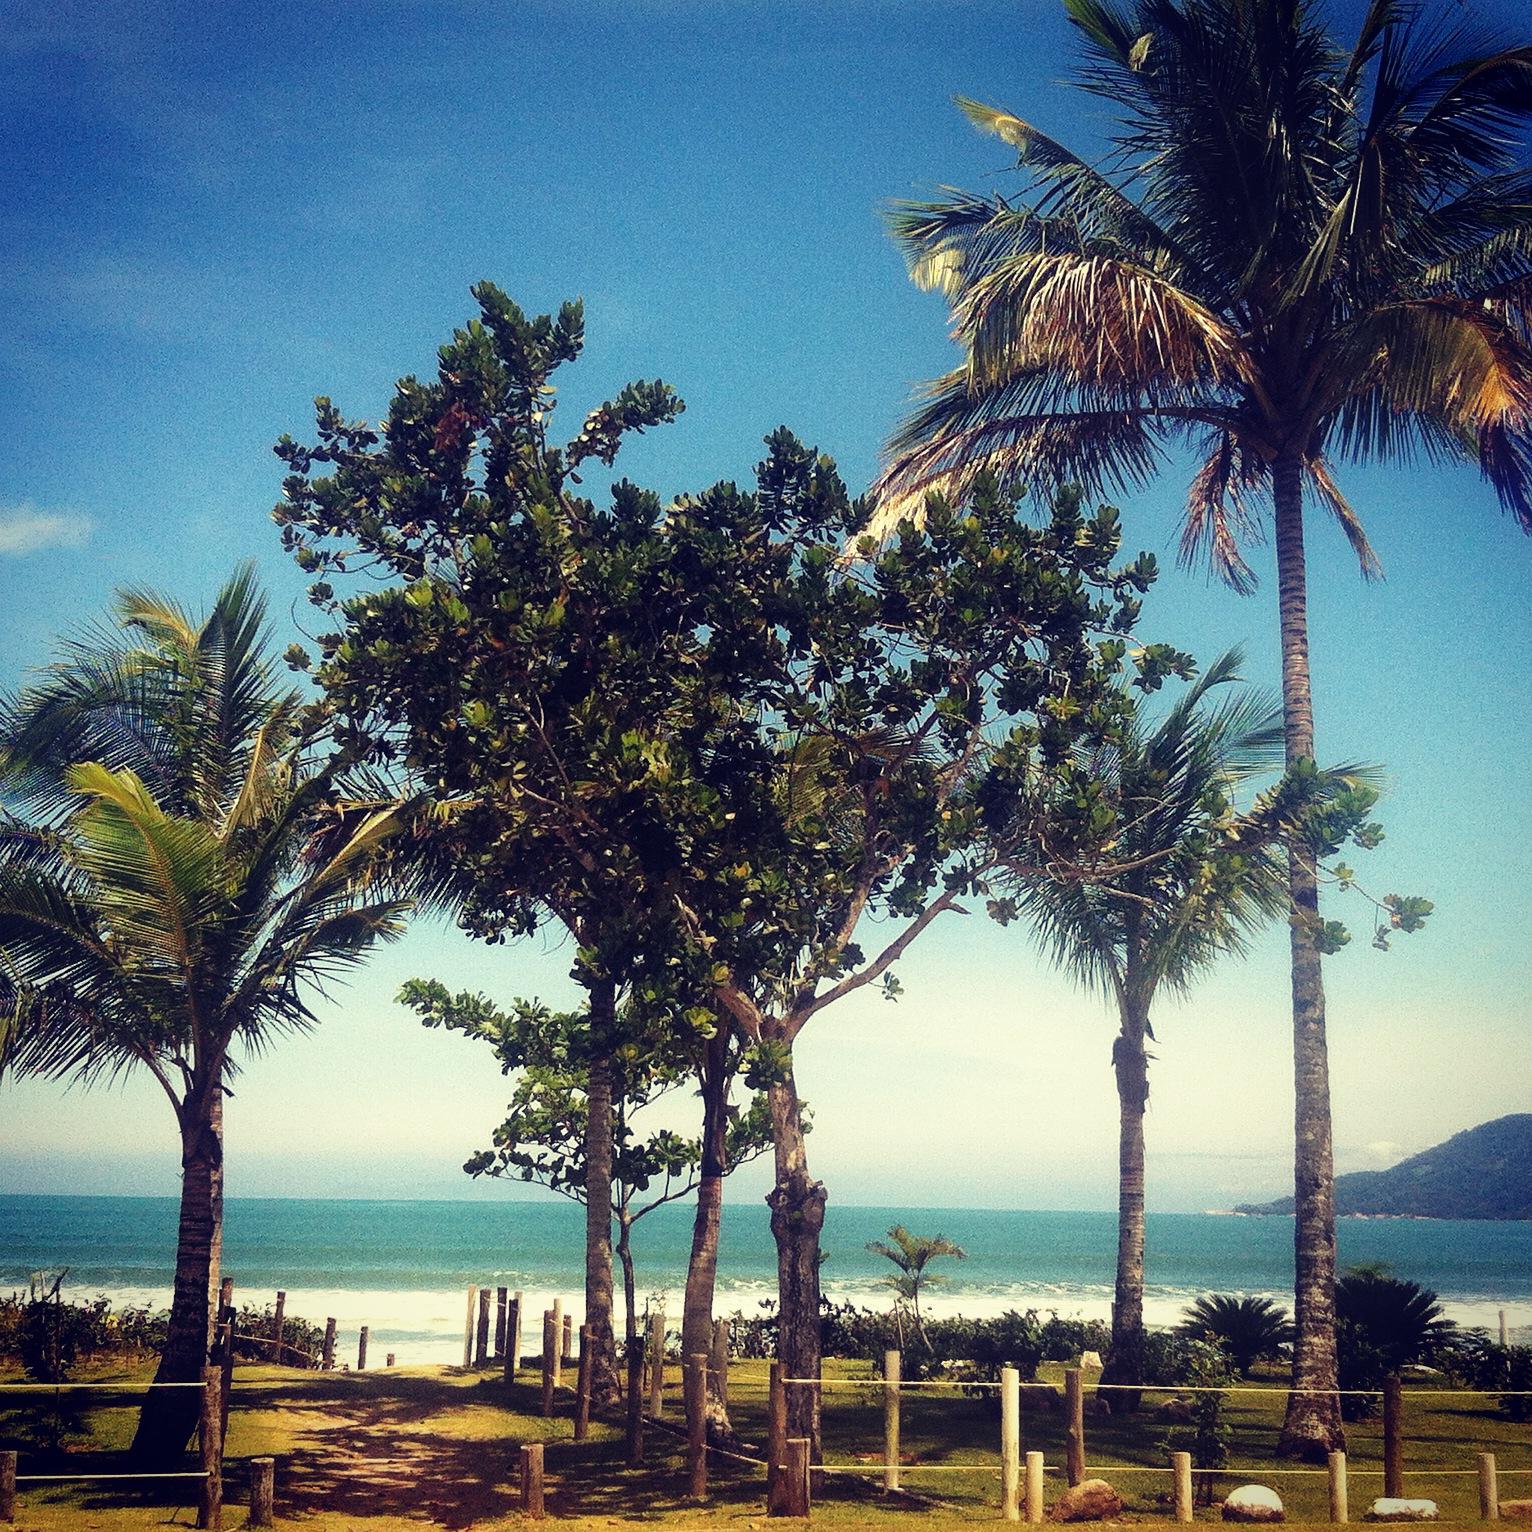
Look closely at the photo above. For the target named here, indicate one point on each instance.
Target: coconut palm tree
(1295, 254)
(177, 864)
(912, 1254)
(1191, 880)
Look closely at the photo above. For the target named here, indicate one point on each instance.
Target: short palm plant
(1247, 1330)
(1190, 877)
(177, 864)
(1296, 254)
(912, 1254)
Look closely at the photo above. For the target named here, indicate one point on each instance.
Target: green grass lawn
(412, 1448)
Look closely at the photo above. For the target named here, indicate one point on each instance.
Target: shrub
(1474, 1360)
(1206, 1435)
(254, 1329)
(1382, 1325)
(1246, 1330)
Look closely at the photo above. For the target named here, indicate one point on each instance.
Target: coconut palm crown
(1294, 256)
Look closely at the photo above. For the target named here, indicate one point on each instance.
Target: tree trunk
(1131, 1066)
(606, 1391)
(702, 1267)
(169, 1415)
(797, 1204)
(629, 1282)
(1312, 1427)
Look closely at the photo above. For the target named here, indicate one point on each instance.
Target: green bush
(254, 1329)
(1474, 1360)
(49, 1337)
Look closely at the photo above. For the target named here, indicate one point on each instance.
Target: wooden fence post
(210, 1451)
(1010, 1444)
(1181, 1470)
(657, 1363)
(513, 1337)
(223, 1351)
(634, 1424)
(7, 1487)
(721, 1361)
(776, 1444)
(502, 1303)
(1034, 1495)
(226, 1299)
(1489, 1488)
(1393, 1437)
(550, 1345)
(532, 1479)
(481, 1340)
(795, 1477)
(582, 1386)
(361, 1350)
(891, 1366)
(263, 1477)
(1074, 1415)
(1340, 1494)
(558, 1350)
(278, 1326)
(694, 1379)
(566, 1350)
(327, 1357)
(473, 1295)
(1505, 1334)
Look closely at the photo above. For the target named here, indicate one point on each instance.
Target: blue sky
(212, 214)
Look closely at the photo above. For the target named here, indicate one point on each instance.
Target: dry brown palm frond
(1103, 321)
(1093, 448)
(1351, 524)
(1450, 359)
(1219, 515)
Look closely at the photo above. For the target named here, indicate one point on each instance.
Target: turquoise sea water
(401, 1267)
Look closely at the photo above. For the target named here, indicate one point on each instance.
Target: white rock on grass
(1402, 1510)
(1253, 1502)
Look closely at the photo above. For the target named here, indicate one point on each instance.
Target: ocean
(401, 1267)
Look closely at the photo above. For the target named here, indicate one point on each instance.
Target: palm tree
(1296, 254)
(178, 864)
(1246, 1330)
(1195, 880)
(912, 1254)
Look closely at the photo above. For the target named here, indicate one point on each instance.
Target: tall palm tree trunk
(1130, 1064)
(797, 1204)
(702, 1266)
(605, 1388)
(169, 1415)
(1312, 1426)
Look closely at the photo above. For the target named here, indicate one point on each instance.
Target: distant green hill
(1483, 1172)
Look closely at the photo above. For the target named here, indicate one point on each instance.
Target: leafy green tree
(1296, 253)
(180, 866)
(930, 678)
(912, 1254)
(1247, 1330)
(1205, 1433)
(555, 674)
(542, 1138)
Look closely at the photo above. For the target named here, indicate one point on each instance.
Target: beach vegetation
(1246, 1329)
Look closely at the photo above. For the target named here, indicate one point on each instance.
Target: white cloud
(25, 529)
